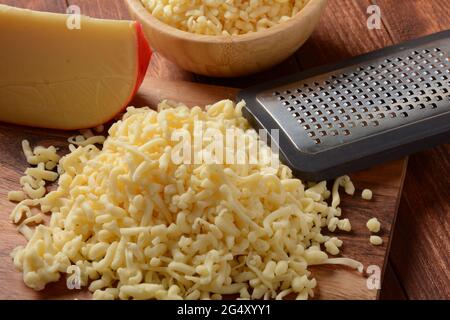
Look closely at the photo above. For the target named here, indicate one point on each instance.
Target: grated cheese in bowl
(216, 17)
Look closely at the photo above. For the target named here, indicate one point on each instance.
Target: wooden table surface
(419, 261)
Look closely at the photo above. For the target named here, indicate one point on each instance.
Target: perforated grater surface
(352, 115)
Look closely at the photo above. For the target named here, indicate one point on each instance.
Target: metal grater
(354, 114)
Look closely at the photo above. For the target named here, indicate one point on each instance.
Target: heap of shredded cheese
(138, 226)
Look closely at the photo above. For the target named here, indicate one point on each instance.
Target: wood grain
(391, 288)
(155, 88)
(286, 67)
(409, 19)
(105, 9)
(343, 34)
(421, 243)
(59, 6)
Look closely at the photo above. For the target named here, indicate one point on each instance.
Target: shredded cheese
(366, 194)
(373, 225)
(16, 196)
(137, 225)
(344, 224)
(376, 240)
(217, 17)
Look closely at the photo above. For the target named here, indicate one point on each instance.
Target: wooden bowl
(228, 56)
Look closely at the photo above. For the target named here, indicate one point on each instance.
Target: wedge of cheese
(53, 75)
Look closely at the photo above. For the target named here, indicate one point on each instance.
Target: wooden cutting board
(333, 282)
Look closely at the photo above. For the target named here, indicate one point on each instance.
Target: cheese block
(54, 74)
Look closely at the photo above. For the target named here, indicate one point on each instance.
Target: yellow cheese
(56, 77)
(137, 224)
